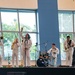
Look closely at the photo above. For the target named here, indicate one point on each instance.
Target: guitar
(66, 49)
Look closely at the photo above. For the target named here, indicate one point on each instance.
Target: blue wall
(48, 24)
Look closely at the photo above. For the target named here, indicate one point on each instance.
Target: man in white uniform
(14, 47)
(26, 45)
(54, 52)
(68, 45)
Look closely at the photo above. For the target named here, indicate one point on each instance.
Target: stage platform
(38, 71)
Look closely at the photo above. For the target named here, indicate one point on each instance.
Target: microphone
(36, 44)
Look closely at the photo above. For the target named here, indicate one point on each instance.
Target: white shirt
(54, 52)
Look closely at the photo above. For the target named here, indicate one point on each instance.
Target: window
(11, 22)
(65, 22)
(66, 27)
(28, 21)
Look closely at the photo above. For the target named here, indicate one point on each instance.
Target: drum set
(46, 59)
(45, 56)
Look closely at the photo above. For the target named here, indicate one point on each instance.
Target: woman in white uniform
(26, 45)
(15, 47)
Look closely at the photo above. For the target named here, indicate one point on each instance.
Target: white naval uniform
(69, 53)
(26, 53)
(15, 54)
(54, 53)
(1, 50)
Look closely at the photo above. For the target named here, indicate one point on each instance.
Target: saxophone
(12, 45)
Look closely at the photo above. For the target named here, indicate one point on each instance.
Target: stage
(37, 71)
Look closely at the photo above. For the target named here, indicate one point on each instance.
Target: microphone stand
(26, 41)
(35, 52)
(46, 59)
(8, 60)
(40, 51)
(46, 47)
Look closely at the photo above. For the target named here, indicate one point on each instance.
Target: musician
(14, 47)
(27, 43)
(68, 45)
(73, 60)
(46, 59)
(1, 50)
(54, 52)
(41, 62)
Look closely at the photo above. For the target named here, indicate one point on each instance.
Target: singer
(26, 45)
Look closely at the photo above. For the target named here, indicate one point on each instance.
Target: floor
(5, 63)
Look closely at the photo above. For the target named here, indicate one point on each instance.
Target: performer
(73, 60)
(54, 52)
(46, 59)
(68, 45)
(27, 43)
(14, 47)
(1, 50)
(41, 62)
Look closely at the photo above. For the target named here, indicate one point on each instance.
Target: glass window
(65, 22)
(74, 21)
(0, 21)
(34, 51)
(66, 27)
(28, 21)
(9, 21)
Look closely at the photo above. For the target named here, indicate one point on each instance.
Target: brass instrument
(12, 45)
(67, 47)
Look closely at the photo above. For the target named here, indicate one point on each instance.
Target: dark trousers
(73, 61)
